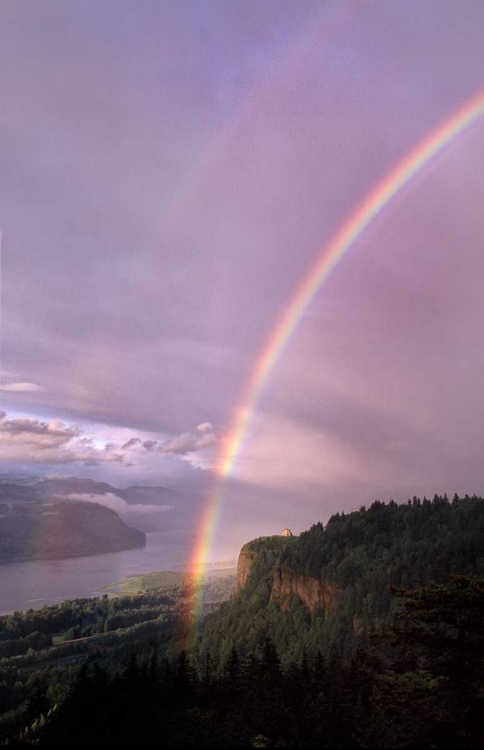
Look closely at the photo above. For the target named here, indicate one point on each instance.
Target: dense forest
(358, 557)
(383, 646)
(417, 684)
(41, 651)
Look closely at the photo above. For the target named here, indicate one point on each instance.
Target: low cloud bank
(116, 503)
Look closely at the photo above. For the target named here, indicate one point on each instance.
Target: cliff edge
(283, 583)
(244, 564)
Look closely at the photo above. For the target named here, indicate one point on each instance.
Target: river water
(39, 582)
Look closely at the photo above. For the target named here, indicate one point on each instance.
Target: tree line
(418, 684)
(361, 555)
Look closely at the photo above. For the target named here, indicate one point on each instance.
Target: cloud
(21, 387)
(29, 440)
(44, 435)
(131, 443)
(187, 442)
(149, 445)
(116, 503)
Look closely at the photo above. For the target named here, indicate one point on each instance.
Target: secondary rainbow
(330, 255)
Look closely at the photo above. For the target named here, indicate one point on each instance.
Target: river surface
(39, 582)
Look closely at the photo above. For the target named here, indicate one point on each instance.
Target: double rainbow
(327, 259)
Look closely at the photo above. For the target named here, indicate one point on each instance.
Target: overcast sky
(170, 170)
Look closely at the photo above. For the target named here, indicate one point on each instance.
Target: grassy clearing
(162, 580)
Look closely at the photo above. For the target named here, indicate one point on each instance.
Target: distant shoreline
(37, 558)
(210, 565)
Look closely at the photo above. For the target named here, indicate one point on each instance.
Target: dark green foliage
(44, 649)
(404, 691)
(412, 542)
(89, 615)
(361, 555)
(438, 667)
(399, 663)
(169, 704)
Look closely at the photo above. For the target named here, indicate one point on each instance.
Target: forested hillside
(42, 651)
(364, 633)
(332, 585)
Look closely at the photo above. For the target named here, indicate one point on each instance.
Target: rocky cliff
(244, 564)
(286, 583)
(313, 592)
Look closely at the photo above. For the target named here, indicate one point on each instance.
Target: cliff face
(285, 583)
(313, 592)
(244, 564)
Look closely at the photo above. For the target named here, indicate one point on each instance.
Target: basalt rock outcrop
(311, 591)
(314, 593)
(244, 565)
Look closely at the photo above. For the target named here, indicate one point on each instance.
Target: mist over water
(36, 583)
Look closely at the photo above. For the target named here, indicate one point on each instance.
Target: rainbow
(328, 258)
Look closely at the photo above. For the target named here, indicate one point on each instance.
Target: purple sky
(169, 171)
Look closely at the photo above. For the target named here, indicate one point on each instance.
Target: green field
(167, 580)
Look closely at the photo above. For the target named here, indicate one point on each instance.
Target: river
(32, 584)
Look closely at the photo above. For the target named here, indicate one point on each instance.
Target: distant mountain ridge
(142, 507)
(65, 486)
(40, 520)
(55, 529)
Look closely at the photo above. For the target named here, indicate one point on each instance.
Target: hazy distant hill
(35, 527)
(149, 495)
(73, 485)
(17, 492)
(144, 508)
(134, 495)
